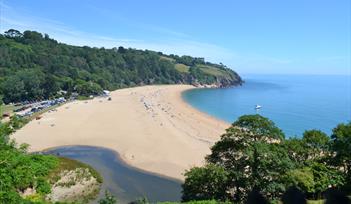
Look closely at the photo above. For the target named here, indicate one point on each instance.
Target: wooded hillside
(33, 66)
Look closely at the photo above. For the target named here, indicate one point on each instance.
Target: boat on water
(258, 107)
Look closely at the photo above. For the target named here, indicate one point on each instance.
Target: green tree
(314, 179)
(325, 177)
(260, 127)
(301, 178)
(341, 145)
(296, 150)
(316, 143)
(50, 86)
(88, 88)
(253, 154)
(205, 183)
(250, 151)
(23, 85)
(13, 89)
(12, 33)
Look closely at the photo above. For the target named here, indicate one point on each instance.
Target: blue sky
(284, 37)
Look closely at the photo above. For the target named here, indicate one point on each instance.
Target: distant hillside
(34, 66)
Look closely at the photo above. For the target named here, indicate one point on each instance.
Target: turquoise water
(294, 102)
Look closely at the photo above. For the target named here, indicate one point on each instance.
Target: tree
(12, 33)
(313, 156)
(301, 178)
(32, 35)
(50, 86)
(251, 153)
(316, 142)
(341, 145)
(260, 127)
(121, 50)
(296, 150)
(314, 179)
(205, 183)
(325, 177)
(88, 88)
(254, 155)
(13, 89)
(23, 85)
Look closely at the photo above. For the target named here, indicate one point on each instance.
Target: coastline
(199, 111)
(151, 128)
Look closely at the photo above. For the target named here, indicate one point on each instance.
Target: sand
(151, 127)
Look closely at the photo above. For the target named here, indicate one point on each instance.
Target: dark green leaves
(205, 183)
(19, 170)
(259, 126)
(341, 145)
(253, 154)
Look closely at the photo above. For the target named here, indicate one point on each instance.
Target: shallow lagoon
(123, 181)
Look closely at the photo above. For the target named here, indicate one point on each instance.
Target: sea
(295, 103)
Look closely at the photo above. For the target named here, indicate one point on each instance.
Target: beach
(151, 127)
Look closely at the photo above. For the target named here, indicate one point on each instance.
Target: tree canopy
(341, 145)
(254, 155)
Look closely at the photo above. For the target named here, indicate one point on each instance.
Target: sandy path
(151, 127)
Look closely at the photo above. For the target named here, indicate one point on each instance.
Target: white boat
(258, 107)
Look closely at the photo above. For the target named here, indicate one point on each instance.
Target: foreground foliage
(19, 170)
(254, 154)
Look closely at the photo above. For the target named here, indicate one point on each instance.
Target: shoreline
(151, 128)
(199, 111)
(120, 159)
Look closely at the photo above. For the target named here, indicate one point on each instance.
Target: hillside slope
(34, 66)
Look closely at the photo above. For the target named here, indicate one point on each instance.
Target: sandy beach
(151, 127)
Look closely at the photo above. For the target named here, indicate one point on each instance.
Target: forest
(34, 66)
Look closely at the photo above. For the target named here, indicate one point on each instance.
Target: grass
(83, 98)
(70, 164)
(9, 108)
(167, 58)
(315, 201)
(54, 176)
(212, 70)
(66, 164)
(182, 68)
